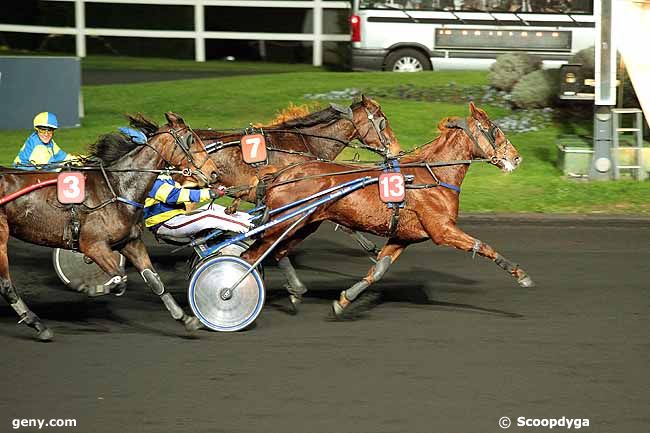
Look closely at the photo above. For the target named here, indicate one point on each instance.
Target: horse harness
(72, 230)
(392, 166)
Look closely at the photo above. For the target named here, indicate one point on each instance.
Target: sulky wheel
(234, 249)
(79, 272)
(216, 303)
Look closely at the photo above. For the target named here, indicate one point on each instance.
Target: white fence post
(80, 26)
(199, 28)
(199, 34)
(318, 33)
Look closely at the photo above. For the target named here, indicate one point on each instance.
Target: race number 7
(253, 148)
(391, 187)
(71, 188)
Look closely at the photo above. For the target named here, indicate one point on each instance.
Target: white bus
(416, 35)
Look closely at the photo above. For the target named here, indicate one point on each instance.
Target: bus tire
(407, 60)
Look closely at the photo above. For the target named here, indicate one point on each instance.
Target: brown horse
(109, 218)
(320, 135)
(431, 203)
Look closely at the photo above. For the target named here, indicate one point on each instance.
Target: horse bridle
(184, 142)
(378, 124)
(489, 134)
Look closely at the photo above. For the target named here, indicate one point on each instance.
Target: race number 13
(391, 187)
(70, 188)
(253, 148)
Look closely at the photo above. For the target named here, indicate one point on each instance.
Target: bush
(509, 68)
(537, 90)
(586, 58)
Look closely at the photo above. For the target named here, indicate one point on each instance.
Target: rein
(219, 145)
(428, 165)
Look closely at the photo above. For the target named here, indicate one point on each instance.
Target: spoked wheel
(407, 60)
(79, 272)
(219, 305)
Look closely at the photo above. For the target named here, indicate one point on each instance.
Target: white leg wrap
(115, 280)
(172, 306)
(19, 307)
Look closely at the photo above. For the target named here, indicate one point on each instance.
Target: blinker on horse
(431, 202)
(109, 217)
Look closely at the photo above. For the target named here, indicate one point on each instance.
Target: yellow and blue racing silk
(167, 199)
(35, 152)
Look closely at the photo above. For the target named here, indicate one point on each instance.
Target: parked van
(418, 35)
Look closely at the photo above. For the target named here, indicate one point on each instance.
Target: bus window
(535, 6)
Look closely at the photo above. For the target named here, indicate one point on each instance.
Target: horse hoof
(337, 309)
(192, 323)
(296, 300)
(45, 335)
(526, 281)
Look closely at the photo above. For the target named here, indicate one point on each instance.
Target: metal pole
(199, 29)
(227, 294)
(318, 33)
(605, 98)
(80, 25)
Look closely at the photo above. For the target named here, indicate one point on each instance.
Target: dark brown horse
(110, 216)
(431, 208)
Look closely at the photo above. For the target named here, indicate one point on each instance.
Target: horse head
(372, 126)
(492, 142)
(187, 152)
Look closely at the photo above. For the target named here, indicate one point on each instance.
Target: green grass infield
(235, 101)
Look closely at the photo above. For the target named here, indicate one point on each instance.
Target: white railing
(199, 34)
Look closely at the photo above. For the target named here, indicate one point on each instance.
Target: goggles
(43, 130)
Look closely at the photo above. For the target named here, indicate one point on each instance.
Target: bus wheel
(407, 60)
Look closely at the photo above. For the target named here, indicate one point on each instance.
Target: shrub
(509, 68)
(537, 90)
(586, 58)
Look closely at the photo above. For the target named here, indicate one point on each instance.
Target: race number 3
(253, 148)
(391, 187)
(70, 188)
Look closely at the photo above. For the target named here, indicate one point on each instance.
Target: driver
(40, 148)
(165, 214)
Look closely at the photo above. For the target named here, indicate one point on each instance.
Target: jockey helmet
(46, 120)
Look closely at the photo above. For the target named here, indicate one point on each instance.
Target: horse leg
(102, 255)
(294, 286)
(136, 252)
(450, 234)
(233, 206)
(386, 257)
(369, 246)
(9, 293)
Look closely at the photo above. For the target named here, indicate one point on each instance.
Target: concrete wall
(29, 85)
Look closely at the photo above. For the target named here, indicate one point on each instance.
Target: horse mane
(428, 150)
(110, 147)
(147, 126)
(327, 115)
(445, 124)
(286, 114)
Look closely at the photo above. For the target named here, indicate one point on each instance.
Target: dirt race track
(445, 344)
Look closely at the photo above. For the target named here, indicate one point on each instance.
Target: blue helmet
(46, 119)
